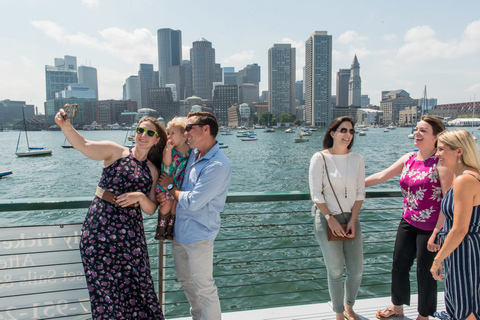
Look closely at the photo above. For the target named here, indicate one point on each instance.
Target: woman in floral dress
(423, 185)
(113, 245)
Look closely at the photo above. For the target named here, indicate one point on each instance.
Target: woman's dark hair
(155, 155)
(437, 124)
(206, 118)
(333, 126)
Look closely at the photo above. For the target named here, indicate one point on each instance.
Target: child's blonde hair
(179, 122)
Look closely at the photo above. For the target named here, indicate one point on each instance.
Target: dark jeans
(411, 243)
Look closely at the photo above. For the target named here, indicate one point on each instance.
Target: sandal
(390, 312)
(349, 317)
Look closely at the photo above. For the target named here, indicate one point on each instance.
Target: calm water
(272, 163)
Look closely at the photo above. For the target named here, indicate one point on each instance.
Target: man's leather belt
(110, 197)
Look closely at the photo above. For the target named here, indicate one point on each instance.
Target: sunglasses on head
(149, 132)
(345, 130)
(189, 126)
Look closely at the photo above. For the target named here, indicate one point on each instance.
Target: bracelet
(68, 131)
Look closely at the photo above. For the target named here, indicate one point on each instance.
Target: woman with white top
(343, 170)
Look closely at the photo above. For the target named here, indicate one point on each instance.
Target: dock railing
(265, 256)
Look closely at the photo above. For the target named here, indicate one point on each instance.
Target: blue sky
(399, 44)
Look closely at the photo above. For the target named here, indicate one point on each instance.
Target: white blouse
(347, 174)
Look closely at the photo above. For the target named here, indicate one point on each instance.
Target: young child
(175, 158)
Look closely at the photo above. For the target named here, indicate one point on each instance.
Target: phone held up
(70, 111)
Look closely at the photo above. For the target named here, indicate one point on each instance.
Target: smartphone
(70, 111)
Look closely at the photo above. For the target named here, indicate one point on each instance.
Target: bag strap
(328, 176)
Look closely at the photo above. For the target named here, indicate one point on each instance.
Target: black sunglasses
(149, 132)
(189, 126)
(345, 130)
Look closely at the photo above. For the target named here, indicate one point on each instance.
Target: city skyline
(403, 46)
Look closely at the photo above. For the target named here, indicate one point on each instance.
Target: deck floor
(366, 310)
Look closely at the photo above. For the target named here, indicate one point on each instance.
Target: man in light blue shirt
(199, 202)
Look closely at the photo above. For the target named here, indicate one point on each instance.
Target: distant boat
(226, 133)
(5, 173)
(362, 133)
(250, 138)
(269, 130)
(221, 145)
(289, 130)
(31, 151)
(386, 130)
(300, 139)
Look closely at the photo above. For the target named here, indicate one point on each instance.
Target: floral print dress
(114, 249)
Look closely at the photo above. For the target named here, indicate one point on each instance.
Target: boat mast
(25, 127)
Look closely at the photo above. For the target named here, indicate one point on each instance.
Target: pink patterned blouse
(422, 192)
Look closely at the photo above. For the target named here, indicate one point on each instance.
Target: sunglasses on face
(149, 132)
(189, 126)
(345, 130)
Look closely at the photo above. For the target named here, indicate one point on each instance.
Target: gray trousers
(335, 253)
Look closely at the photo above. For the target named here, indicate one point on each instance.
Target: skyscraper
(202, 57)
(132, 89)
(58, 77)
(88, 75)
(343, 76)
(224, 97)
(146, 80)
(281, 79)
(355, 85)
(318, 78)
(169, 52)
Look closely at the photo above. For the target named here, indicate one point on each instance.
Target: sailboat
(473, 119)
(31, 151)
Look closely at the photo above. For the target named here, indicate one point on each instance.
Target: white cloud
(131, 47)
(421, 43)
(91, 3)
(244, 56)
(475, 89)
(351, 37)
(51, 29)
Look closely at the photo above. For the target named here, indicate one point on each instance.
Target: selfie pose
(113, 245)
(337, 187)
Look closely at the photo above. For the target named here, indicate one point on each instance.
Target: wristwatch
(170, 186)
(328, 216)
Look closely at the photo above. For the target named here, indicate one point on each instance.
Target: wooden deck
(366, 310)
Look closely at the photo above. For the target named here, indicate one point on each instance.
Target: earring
(459, 161)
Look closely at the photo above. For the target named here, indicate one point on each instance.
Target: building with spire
(318, 79)
(355, 85)
(202, 58)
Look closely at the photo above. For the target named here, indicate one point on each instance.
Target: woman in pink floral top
(423, 185)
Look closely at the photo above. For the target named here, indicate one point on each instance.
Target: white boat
(221, 145)
(269, 130)
(31, 151)
(249, 138)
(305, 133)
(226, 133)
(386, 130)
(312, 129)
(362, 133)
(300, 139)
(289, 130)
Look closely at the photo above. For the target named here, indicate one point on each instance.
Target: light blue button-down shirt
(204, 191)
